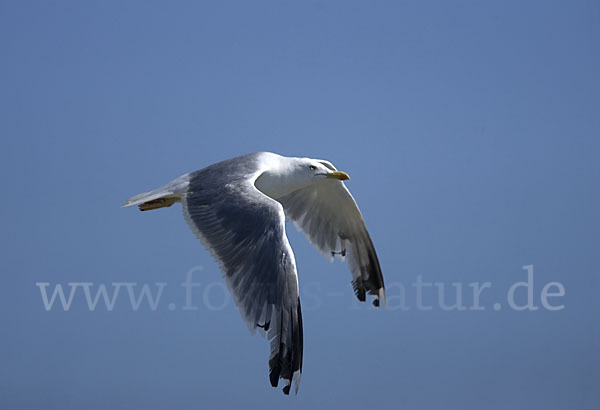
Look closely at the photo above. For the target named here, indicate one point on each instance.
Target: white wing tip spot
(296, 377)
(381, 296)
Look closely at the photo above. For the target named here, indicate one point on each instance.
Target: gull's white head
(283, 175)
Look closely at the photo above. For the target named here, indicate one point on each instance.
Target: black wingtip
(359, 289)
(286, 363)
(275, 370)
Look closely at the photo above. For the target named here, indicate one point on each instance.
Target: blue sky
(471, 134)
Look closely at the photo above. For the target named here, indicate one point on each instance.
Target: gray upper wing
(245, 232)
(328, 215)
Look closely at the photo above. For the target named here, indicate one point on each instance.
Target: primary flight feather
(237, 208)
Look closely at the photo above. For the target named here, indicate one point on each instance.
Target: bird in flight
(237, 208)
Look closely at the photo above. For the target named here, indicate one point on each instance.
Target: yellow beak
(341, 175)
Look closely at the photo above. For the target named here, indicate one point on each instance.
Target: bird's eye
(312, 167)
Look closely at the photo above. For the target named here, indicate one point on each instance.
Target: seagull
(238, 208)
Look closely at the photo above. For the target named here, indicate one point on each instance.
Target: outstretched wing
(245, 232)
(328, 215)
